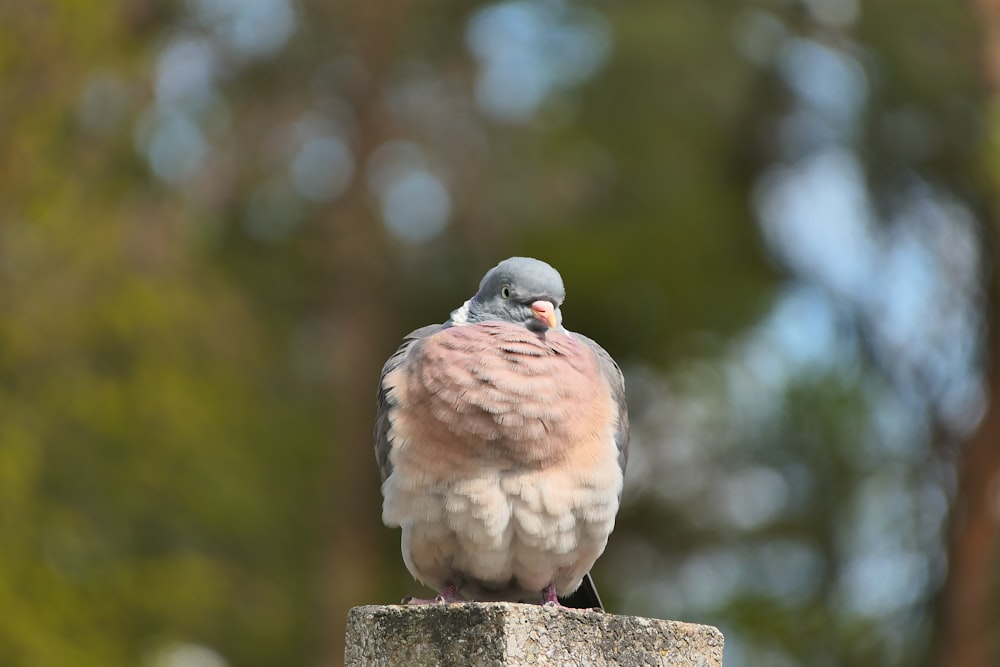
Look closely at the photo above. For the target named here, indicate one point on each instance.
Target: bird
(502, 440)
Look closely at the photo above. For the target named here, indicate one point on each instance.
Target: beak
(546, 312)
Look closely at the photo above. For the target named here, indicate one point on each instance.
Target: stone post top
(504, 634)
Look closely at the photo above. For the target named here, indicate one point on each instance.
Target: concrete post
(501, 634)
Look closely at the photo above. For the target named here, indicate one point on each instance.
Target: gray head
(521, 290)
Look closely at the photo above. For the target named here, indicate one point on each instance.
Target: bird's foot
(410, 600)
(550, 599)
(448, 594)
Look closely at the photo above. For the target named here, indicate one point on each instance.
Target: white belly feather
(504, 535)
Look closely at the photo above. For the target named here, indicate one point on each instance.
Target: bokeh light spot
(322, 169)
(251, 28)
(415, 206)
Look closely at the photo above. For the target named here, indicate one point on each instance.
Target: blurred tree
(967, 621)
(154, 468)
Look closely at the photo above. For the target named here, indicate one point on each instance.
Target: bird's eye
(505, 292)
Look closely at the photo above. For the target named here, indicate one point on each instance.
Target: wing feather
(616, 381)
(383, 415)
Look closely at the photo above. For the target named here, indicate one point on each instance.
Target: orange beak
(546, 312)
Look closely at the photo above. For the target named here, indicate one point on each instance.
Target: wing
(586, 596)
(383, 416)
(613, 375)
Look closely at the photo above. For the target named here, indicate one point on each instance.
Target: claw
(446, 596)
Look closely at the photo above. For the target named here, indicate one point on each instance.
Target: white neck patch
(460, 316)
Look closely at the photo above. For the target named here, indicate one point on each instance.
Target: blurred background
(219, 217)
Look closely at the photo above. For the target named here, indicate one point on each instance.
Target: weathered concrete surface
(501, 634)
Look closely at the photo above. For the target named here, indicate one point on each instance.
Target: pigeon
(502, 439)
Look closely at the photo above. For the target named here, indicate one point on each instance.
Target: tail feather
(584, 597)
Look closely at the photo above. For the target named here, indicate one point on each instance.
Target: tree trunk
(967, 633)
(357, 275)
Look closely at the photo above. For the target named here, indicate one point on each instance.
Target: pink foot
(550, 599)
(449, 594)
